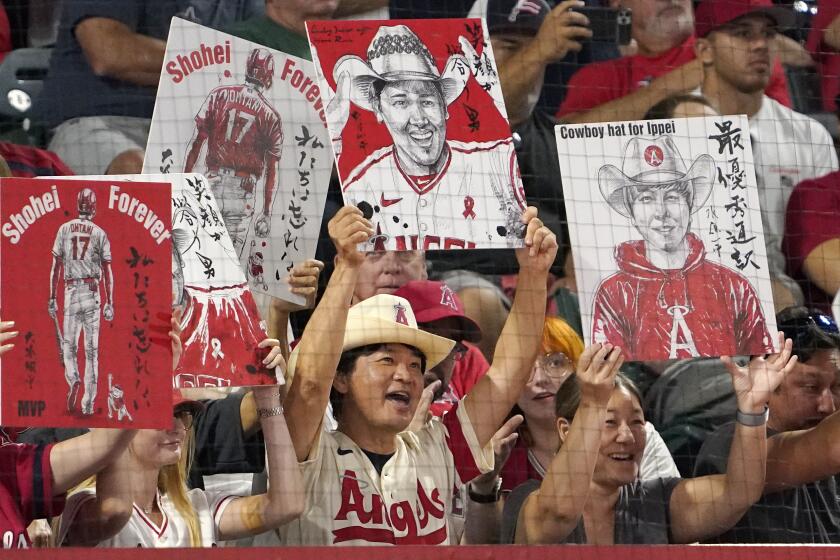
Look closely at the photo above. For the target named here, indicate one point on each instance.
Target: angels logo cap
(516, 16)
(179, 401)
(432, 301)
(711, 14)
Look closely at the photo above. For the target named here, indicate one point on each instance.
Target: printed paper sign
(251, 120)
(666, 231)
(84, 267)
(420, 131)
(220, 322)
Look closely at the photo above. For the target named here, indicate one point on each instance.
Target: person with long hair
(34, 478)
(142, 498)
(618, 508)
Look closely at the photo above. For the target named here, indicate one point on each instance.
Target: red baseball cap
(433, 300)
(711, 14)
(182, 402)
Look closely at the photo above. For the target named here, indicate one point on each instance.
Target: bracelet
(752, 420)
(486, 498)
(269, 412)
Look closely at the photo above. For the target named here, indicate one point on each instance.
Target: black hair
(347, 363)
(567, 397)
(683, 188)
(376, 87)
(800, 324)
(665, 108)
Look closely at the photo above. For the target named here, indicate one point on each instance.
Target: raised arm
(322, 340)
(552, 512)
(285, 497)
(707, 506)
(76, 459)
(490, 401)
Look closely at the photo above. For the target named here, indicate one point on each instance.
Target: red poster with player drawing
(420, 131)
(85, 270)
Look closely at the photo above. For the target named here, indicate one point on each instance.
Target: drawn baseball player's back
(82, 247)
(242, 128)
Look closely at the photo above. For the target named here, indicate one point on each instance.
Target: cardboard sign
(84, 267)
(420, 131)
(250, 119)
(666, 231)
(220, 322)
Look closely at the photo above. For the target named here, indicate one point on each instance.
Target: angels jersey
(349, 503)
(242, 129)
(141, 531)
(472, 202)
(82, 247)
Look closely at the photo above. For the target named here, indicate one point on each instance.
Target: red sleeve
(778, 88)
(591, 86)
(468, 370)
(828, 10)
(462, 443)
(811, 218)
(33, 475)
(5, 34)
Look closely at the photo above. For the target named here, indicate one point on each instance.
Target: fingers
(8, 335)
(422, 412)
(585, 359)
(509, 427)
(733, 368)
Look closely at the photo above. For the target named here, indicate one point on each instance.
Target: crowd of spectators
(453, 401)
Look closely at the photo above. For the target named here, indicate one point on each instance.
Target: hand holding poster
(84, 267)
(666, 231)
(221, 328)
(420, 132)
(251, 120)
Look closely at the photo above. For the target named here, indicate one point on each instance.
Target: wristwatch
(269, 412)
(486, 498)
(752, 420)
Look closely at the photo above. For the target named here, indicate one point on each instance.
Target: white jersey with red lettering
(82, 247)
(473, 201)
(411, 502)
(141, 531)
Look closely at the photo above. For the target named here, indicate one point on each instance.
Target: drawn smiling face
(662, 215)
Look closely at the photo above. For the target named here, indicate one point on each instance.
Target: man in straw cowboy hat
(373, 481)
(666, 300)
(424, 191)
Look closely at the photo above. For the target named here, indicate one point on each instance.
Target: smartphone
(609, 25)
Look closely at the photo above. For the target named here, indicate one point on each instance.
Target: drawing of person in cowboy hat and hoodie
(424, 191)
(667, 301)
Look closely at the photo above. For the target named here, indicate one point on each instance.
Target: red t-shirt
(602, 82)
(813, 217)
(827, 59)
(468, 370)
(26, 161)
(518, 468)
(26, 491)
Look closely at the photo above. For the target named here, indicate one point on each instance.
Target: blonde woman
(142, 498)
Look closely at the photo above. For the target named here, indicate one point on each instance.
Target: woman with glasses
(536, 441)
(142, 498)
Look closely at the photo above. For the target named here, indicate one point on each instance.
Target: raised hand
(755, 382)
(274, 359)
(421, 413)
(562, 31)
(503, 442)
(540, 244)
(5, 335)
(596, 371)
(348, 228)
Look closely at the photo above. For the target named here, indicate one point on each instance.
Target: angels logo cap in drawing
(653, 163)
(711, 14)
(432, 301)
(523, 17)
(395, 54)
(382, 319)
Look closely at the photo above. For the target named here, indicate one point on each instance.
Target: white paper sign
(666, 231)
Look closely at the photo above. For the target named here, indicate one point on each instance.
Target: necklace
(149, 509)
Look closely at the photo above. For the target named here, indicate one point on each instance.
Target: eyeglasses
(185, 416)
(556, 365)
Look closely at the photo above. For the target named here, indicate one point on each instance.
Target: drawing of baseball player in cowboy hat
(667, 301)
(445, 193)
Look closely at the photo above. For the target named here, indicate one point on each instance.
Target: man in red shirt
(664, 65)
(438, 310)
(812, 238)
